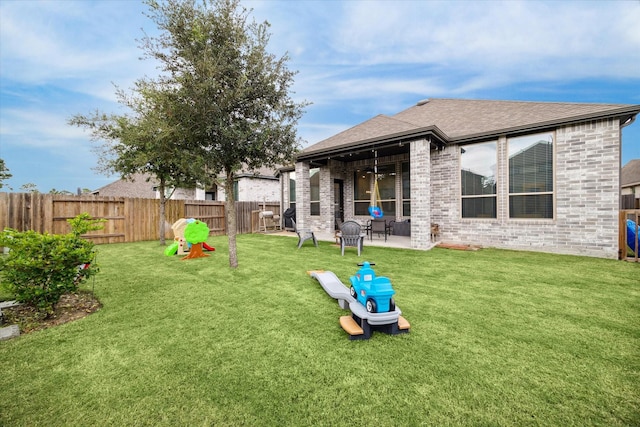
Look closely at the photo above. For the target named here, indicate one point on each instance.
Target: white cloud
(314, 132)
(572, 39)
(82, 48)
(40, 129)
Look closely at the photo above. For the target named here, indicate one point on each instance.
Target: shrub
(84, 223)
(40, 268)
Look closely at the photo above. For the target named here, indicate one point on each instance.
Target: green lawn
(498, 338)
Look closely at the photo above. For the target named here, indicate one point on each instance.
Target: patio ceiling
(367, 149)
(366, 153)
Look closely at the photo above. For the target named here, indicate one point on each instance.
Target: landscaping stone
(9, 332)
(8, 304)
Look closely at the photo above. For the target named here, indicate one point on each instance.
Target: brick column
(502, 181)
(326, 201)
(303, 194)
(420, 170)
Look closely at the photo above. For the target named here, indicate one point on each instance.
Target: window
(363, 182)
(292, 190)
(531, 176)
(212, 193)
(361, 192)
(387, 188)
(314, 186)
(478, 165)
(406, 190)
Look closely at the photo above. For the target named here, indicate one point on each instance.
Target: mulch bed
(72, 306)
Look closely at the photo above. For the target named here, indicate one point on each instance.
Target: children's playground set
(370, 299)
(189, 239)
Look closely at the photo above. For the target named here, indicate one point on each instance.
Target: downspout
(629, 121)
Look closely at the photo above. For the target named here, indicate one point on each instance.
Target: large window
(364, 180)
(386, 178)
(478, 178)
(314, 186)
(531, 176)
(361, 191)
(292, 190)
(406, 190)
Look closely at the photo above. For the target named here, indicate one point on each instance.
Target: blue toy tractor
(375, 293)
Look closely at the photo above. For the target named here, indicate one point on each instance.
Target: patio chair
(304, 234)
(351, 235)
(379, 226)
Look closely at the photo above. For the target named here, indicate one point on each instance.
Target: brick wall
(258, 189)
(586, 190)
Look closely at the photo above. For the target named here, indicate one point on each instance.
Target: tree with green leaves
(145, 141)
(230, 97)
(4, 173)
(29, 187)
(60, 192)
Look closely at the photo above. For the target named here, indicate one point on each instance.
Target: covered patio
(401, 242)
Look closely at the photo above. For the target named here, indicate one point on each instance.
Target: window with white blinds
(478, 179)
(531, 176)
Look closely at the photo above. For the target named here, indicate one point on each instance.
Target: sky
(355, 59)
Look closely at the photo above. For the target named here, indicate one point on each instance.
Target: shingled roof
(630, 174)
(139, 185)
(460, 121)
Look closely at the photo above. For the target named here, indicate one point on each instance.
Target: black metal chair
(304, 234)
(351, 235)
(379, 226)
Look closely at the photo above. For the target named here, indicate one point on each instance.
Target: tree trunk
(195, 252)
(231, 219)
(163, 203)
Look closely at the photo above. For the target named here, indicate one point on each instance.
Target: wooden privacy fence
(629, 201)
(128, 219)
(629, 226)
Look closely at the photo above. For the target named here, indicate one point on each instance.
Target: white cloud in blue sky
(356, 59)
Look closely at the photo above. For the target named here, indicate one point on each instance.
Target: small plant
(40, 268)
(84, 223)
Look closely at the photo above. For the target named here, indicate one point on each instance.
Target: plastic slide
(632, 238)
(207, 247)
(172, 249)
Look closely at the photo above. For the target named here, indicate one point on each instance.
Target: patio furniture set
(352, 234)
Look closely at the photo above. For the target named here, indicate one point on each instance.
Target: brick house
(630, 183)
(261, 185)
(518, 175)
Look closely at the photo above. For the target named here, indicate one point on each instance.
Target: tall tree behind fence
(128, 219)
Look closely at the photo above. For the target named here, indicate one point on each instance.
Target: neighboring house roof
(143, 185)
(263, 173)
(461, 121)
(136, 186)
(630, 174)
